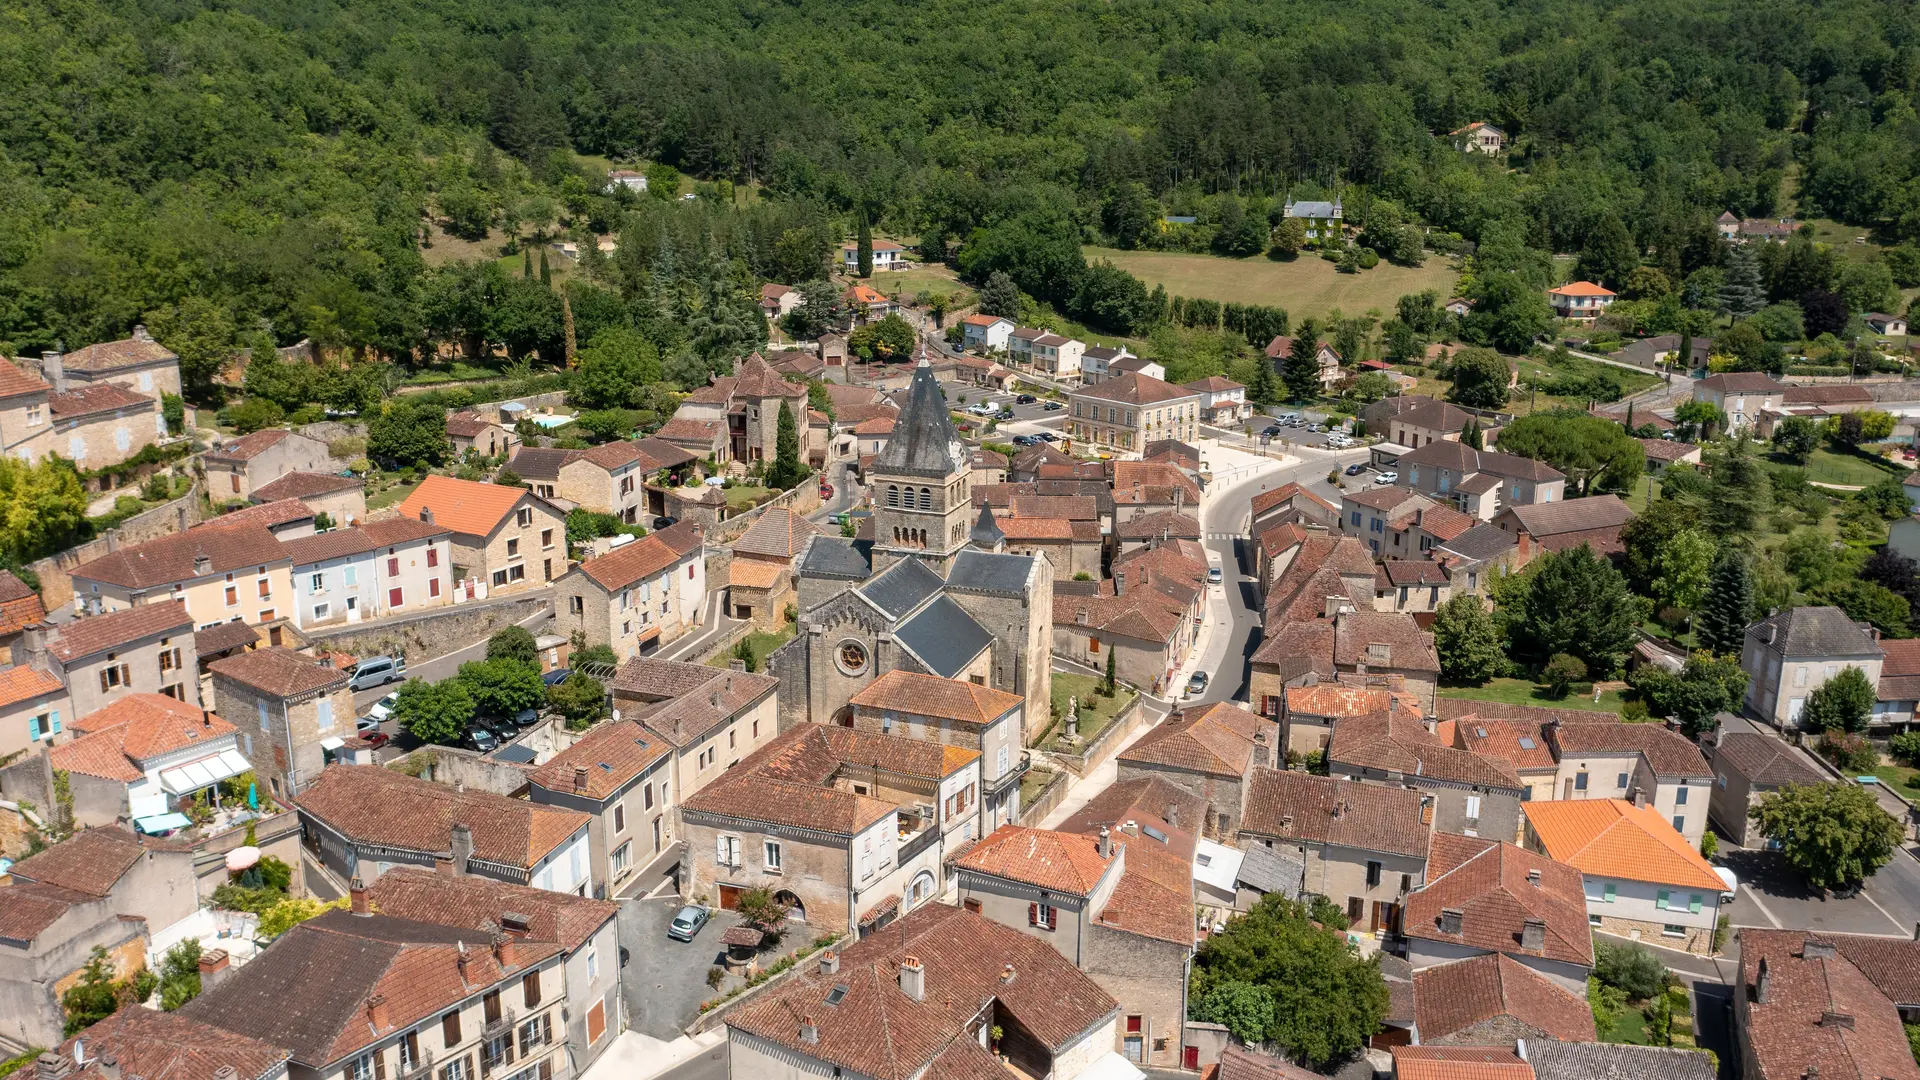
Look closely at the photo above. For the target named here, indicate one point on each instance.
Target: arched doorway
(844, 717)
(796, 911)
(921, 890)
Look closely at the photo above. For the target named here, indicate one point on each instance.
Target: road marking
(1876, 906)
(1763, 908)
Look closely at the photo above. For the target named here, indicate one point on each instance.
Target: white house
(1222, 401)
(1096, 363)
(1643, 880)
(1582, 301)
(1885, 325)
(626, 178)
(985, 332)
(887, 255)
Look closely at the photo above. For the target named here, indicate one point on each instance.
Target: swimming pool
(551, 422)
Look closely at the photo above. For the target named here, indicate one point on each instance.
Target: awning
(1111, 1066)
(145, 799)
(159, 823)
(332, 742)
(205, 772)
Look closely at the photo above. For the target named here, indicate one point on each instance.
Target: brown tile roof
(1451, 998)
(688, 429)
(1141, 615)
(1444, 522)
(1240, 1063)
(611, 755)
(333, 544)
(789, 781)
(1410, 572)
(1667, 753)
(1070, 507)
(1458, 1063)
(1667, 449)
(280, 672)
(1164, 524)
(1410, 648)
(466, 424)
(16, 382)
(878, 1031)
(228, 635)
(1520, 743)
(269, 515)
(30, 909)
(22, 684)
(304, 485)
(1765, 760)
(755, 573)
(929, 695)
(401, 530)
(1448, 708)
(1059, 862)
(1331, 810)
(1389, 499)
(1146, 801)
(1215, 739)
(654, 680)
(476, 903)
(649, 453)
(126, 352)
(369, 804)
(541, 463)
(1742, 382)
(1335, 700)
(20, 607)
(780, 533)
(134, 729)
(1786, 1032)
(1397, 743)
(1492, 885)
(92, 861)
(1465, 460)
(1267, 500)
(1134, 388)
(755, 378)
(171, 558)
(247, 447)
(627, 566)
(464, 506)
(1154, 897)
(99, 398)
(1596, 512)
(156, 1045)
(1035, 528)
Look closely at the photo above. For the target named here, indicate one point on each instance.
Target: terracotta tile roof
(280, 672)
(1336, 811)
(688, 429)
(1614, 838)
(654, 680)
(1240, 1063)
(929, 695)
(99, 398)
(19, 685)
(1520, 743)
(464, 506)
(270, 515)
(1742, 382)
(1356, 634)
(1153, 526)
(400, 530)
(780, 533)
(627, 566)
(1465, 460)
(476, 903)
(854, 414)
(1459, 1063)
(20, 607)
(171, 558)
(1214, 384)
(30, 909)
(1891, 964)
(466, 424)
(1071, 507)
(135, 729)
(1410, 572)
(92, 861)
(612, 755)
(1786, 1032)
(228, 635)
(649, 454)
(1134, 388)
(1335, 700)
(1667, 753)
(725, 694)
(876, 1030)
(1152, 483)
(755, 378)
(1667, 449)
(249, 446)
(369, 804)
(789, 781)
(1452, 998)
(304, 485)
(1281, 537)
(1215, 739)
(333, 544)
(16, 382)
(1493, 886)
(755, 573)
(1154, 897)
(1146, 802)
(1397, 743)
(1059, 862)
(1444, 522)
(127, 352)
(1141, 615)
(1298, 648)
(1035, 528)
(1764, 760)
(155, 1045)
(1580, 288)
(1389, 500)
(1448, 708)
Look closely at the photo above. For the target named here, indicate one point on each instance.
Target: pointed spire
(986, 532)
(924, 442)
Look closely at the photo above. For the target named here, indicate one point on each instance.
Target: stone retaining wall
(1108, 742)
(432, 633)
(55, 571)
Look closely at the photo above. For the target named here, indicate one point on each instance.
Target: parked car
(1339, 441)
(687, 922)
(1024, 440)
(1197, 685)
(1356, 468)
(1004, 414)
(1025, 399)
(982, 408)
(1387, 478)
(1053, 406)
(377, 671)
(376, 739)
(1047, 436)
(384, 707)
(664, 523)
(526, 718)
(1214, 576)
(556, 676)
(481, 739)
(1273, 431)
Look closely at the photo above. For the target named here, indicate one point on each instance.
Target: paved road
(711, 1065)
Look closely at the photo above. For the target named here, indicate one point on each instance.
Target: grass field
(1308, 287)
(1828, 466)
(760, 643)
(1096, 712)
(1522, 692)
(1900, 778)
(908, 283)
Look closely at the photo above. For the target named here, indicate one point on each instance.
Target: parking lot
(664, 981)
(1772, 895)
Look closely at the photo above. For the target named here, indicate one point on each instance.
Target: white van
(377, 671)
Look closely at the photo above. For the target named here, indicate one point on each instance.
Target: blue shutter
(55, 717)
(33, 729)
(1663, 901)
(1609, 892)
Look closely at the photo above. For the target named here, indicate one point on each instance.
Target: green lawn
(1522, 692)
(746, 496)
(458, 370)
(1096, 712)
(761, 643)
(1830, 466)
(906, 284)
(1901, 778)
(1308, 286)
(393, 494)
(1032, 784)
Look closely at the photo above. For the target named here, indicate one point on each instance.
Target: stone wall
(1047, 801)
(802, 500)
(277, 835)
(328, 430)
(431, 633)
(460, 768)
(1148, 978)
(1096, 753)
(55, 571)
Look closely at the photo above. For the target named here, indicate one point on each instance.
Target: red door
(1190, 1058)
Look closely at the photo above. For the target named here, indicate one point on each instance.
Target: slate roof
(1668, 754)
(1272, 870)
(878, 1031)
(927, 695)
(156, 1045)
(476, 903)
(541, 463)
(303, 485)
(1491, 884)
(369, 804)
(1555, 1060)
(986, 532)
(171, 558)
(1333, 810)
(92, 861)
(901, 588)
(1215, 739)
(92, 634)
(1815, 631)
(1399, 743)
(1454, 997)
(943, 637)
(1614, 838)
(924, 442)
(837, 558)
(1786, 1034)
(280, 672)
(991, 572)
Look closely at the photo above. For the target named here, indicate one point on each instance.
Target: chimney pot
(829, 962)
(1450, 920)
(579, 778)
(1105, 845)
(809, 1033)
(462, 848)
(913, 978)
(53, 1066)
(109, 1067)
(426, 514)
(1006, 974)
(214, 967)
(1172, 816)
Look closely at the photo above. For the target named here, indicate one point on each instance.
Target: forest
(264, 166)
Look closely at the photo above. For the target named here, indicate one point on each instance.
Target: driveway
(664, 981)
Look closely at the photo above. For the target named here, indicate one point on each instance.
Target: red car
(377, 739)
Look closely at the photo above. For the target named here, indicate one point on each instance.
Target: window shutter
(104, 685)
(450, 1029)
(1609, 892)
(1662, 901)
(720, 850)
(1693, 903)
(33, 729)
(55, 716)
(379, 1066)
(530, 986)
(1033, 914)
(413, 1048)
(126, 674)
(546, 1069)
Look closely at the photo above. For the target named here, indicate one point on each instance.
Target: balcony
(1012, 776)
(923, 838)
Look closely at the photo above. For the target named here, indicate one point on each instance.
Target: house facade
(955, 713)
(1222, 401)
(221, 573)
(1742, 395)
(1791, 653)
(1580, 301)
(1364, 846)
(637, 597)
(620, 776)
(1130, 411)
(143, 650)
(503, 539)
(293, 713)
(1323, 219)
(238, 467)
(1643, 880)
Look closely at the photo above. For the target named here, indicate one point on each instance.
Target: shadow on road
(1713, 1023)
(1768, 873)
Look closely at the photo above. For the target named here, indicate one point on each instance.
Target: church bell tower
(920, 483)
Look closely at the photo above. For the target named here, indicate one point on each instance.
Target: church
(929, 593)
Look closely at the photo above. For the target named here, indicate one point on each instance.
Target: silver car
(688, 921)
(378, 671)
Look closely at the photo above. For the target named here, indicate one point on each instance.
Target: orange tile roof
(15, 381)
(626, 566)
(465, 506)
(134, 729)
(20, 606)
(1580, 288)
(1333, 699)
(930, 695)
(1614, 838)
(755, 573)
(1458, 1063)
(23, 684)
(1055, 861)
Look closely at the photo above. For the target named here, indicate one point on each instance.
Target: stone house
(1464, 792)
(1488, 896)
(760, 578)
(1641, 763)
(1414, 420)
(1791, 653)
(1643, 879)
(361, 821)
(703, 438)
(1385, 518)
(1747, 764)
(1280, 350)
(637, 597)
(1147, 633)
(138, 1041)
(1209, 751)
(293, 712)
(1364, 846)
(1595, 521)
(1118, 908)
(142, 756)
(847, 827)
(1414, 585)
(1222, 401)
(1291, 503)
(1311, 712)
(100, 426)
(33, 703)
(612, 478)
(137, 363)
(1810, 1004)
(704, 713)
(1495, 1000)
(143, 650)
(1479, 482)
(1132, 410)
(1323, 219)
(746, 405)
(237, 467)
(955, 713)
(1096, 363)
(478, 435)
(504, 539)
(1742, 395)
(617, 774)
(343, 499)
(540, 467)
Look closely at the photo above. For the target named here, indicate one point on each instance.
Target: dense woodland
(284, 162)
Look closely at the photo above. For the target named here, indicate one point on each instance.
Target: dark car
(664, 523)
(1356, 468)
(1047, 436)
(1053, 406)
(1004, 414)
(1025, 399)
(480, 739)
(1024, 440)
(556, 676)
(1274, 431)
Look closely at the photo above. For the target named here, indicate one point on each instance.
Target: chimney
(1339, 809)
(1640, 798)
(462, 848)
(516, 924)
(1533, 877)
(497, 943)
(913, 978)
(202, 565)
(1130, 827)
(426, 514)
(1393, 705)
(377, 1012)
(1286, 823)
(1813, 949)
(809, 1033)
(1262, 753)
(53, 1066)
(54, 368)
(1120, 584)
(1450, 920)
(829, 962)
(462, 960)
(579, 778)
(33, 647)
(109, 1067)
(1761, 983)
(1533, 935)
(1831, 1019)
(737, 665)
(1006, 974)
(214, 968)
(1172, 816)
(1105, 846)
(140, 332)
(226, 1072)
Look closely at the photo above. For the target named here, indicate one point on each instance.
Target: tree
(1720, 624)
(1682, 570)
(1326, 999)
(513, 643)
(97, 995)
(502, 688)
(1609, 255)
(434, 712)
(1509, 313)
(1741, 294)
(1468, 642)
(613, 368)
(579, 698)
(1561, 672)
(786, 470)
(1841, 703)
(1574, 602)
(202, 334)
(1629, 967)
(1592, 450)
(1705, 687)
(255, 414)
(1472, 436)
(892, 336)
(1364, 388)
(1835, 835)
(1243, 1008)
(865, 242)
(180, 974)
(1302, 370)
(409, 432)
(1287, 238)
(1479, 379)
(1112, 681)
(1697, 420)
(1264, 388)
(1864, 601)
(758, 909)
(43, 509)
(1000, 296)
(1795, 438)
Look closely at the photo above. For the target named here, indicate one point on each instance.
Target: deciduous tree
(1842, 703)
(1327, 1000)
(1835, 835)
(434, 712)
(1469, 644)
(1479, 378)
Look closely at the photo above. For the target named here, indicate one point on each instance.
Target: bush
(1561, 672)
(254, 415)
(1709, 844)
(1633, 970)
(1849, 752)
(1906, 746)
(716, 976)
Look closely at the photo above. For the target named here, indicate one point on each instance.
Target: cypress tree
(866, 246)
(786, 470)
(1721, 623)
(1742, 293)
(1471, 436)
(1112, 680)
(546, 274)
(526, 263)
(1302, 373)
(1265, 390)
